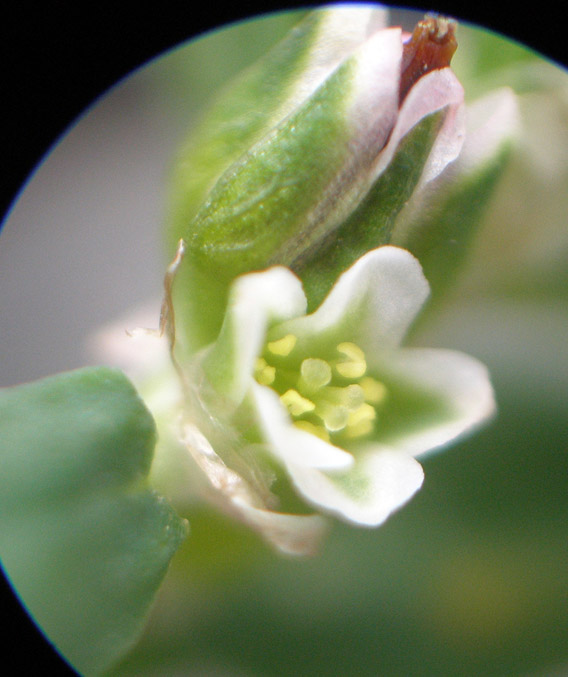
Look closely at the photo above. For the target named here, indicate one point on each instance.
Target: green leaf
(84, 539)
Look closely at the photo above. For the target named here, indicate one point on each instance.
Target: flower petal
(290, 534)
(435, 91)
(380, 482)
(373, 303)
(289, 443)
(434, 396)
(373, 102)
(492, 121)
(255, 301)
(341, 30)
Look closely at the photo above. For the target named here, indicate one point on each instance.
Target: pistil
(431, 47)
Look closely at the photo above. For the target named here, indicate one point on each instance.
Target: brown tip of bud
(431, 47)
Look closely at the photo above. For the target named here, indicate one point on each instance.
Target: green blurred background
(471, 578)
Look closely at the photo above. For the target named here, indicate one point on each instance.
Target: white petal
(491, 122)
(373, 105)
(290, 534)
(457, 380)
(342, 29)
(380, 482)
(376, 300)
(255, 301)
(436, 90)
(287, 442)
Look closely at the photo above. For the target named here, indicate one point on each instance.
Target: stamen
(351, 397)
(264, 373)
(317, 430)
(283, 346)
(355, 365)
(334, 416)
(295, 403)
(374, 390)
(360, 422)
(315, 373)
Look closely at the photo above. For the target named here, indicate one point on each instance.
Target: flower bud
(308, 158)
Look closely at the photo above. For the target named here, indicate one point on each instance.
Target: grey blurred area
(81, 245)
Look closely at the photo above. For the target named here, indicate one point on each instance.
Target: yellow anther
(315, 373)
(283, 346)
(352, 351)
(360, 422)
(264, 373)
(317, 430)
(355, 365)
(359, 430)
(374, 390)
(334, 416)
(365, 413)
(295, 403)
(351, 397)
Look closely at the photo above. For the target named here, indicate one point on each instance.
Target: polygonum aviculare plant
(328, 192)
(297, 399)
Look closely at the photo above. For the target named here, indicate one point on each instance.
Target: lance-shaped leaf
(83, 538)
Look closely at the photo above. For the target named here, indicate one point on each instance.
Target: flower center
(331, 398)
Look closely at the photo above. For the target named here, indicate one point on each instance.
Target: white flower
(331, 396)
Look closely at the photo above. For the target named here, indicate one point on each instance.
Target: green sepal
(252, 216)
(84, 539)
(232, 125)
(371, 224)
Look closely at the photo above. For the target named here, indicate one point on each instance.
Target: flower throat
(332, 398)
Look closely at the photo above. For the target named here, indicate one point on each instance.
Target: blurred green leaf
(83, 538)
(445, 231)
